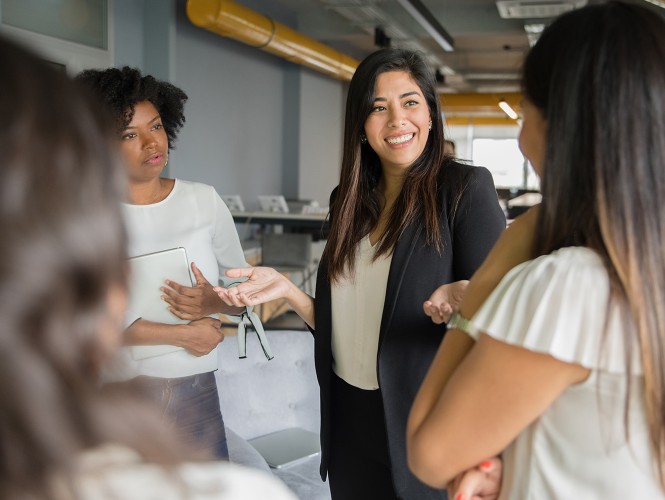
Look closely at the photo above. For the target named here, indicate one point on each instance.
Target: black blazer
(471, 221)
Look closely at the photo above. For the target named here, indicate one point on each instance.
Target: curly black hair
(121, 89)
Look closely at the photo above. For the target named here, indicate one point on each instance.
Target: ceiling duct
(429, 23)
(366, 16)
(229, 19)
(478, 109)
(535, 9)
(485, 104)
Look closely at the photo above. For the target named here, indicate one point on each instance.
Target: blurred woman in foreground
(62, 300)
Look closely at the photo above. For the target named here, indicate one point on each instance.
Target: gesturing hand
(192, 303)
(263, 284)
(445, 300)
(201, 336)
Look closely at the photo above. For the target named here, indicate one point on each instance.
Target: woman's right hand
(445, 299)
(201, 336)
(263, 284)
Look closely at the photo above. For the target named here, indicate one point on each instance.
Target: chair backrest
(286, 250)
(258, 396)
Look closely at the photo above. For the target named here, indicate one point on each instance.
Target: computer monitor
(273, 203)
(234, 202)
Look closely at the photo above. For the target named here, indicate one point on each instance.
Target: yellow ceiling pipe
(478, 103)
(479, 121)
(233, 20)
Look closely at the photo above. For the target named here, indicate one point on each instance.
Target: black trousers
(359, 467)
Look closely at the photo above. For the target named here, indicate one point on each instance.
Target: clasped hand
(202, 336)
(482, 482)
(191, 303)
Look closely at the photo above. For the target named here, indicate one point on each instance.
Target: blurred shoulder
(121, 470)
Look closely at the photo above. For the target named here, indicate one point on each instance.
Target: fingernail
(460, 496)
(485, 465)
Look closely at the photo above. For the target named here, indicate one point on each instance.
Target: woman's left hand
(482, 482)
(444, 301)
(192, 303)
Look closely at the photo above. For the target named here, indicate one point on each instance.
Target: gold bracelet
(459, 322)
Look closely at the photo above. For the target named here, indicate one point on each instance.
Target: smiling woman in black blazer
(404, 220)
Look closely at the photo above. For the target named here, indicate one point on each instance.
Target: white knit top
(192, 216)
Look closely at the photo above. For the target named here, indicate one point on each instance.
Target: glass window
(503, 158)
(80, 21)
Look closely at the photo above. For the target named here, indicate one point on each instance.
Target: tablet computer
(148, 273)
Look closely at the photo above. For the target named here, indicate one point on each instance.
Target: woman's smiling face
(398, 125)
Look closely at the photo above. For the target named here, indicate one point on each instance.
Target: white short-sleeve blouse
(558, 304)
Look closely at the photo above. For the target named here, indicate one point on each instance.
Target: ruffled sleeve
(558, 304)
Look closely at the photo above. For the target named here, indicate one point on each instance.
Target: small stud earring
(430, 124)
(363, 139)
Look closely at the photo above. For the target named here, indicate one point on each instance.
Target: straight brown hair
(355, 208)
(597, 76)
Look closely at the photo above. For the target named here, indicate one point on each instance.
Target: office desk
(306, 223)
(276, 315)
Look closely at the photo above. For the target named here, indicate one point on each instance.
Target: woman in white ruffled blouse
(560, 369)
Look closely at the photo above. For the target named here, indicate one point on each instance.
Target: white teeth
(400, 139)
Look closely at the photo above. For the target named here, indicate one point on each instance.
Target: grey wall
(256, 124)
(128, 33)
(321, 134)
(235, 113)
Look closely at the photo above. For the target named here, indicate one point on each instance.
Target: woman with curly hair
(165, 213)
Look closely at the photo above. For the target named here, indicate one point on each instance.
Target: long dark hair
(597, 76)
(356, 208)
(62, 252)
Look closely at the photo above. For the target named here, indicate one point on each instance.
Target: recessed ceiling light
(533, 32)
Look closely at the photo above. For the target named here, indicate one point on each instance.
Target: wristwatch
(461, 323)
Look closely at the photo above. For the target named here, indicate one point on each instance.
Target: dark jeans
(359, 467)
(192, 405)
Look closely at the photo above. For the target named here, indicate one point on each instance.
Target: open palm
(263, 284)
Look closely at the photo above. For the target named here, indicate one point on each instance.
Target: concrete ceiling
(488, 49)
